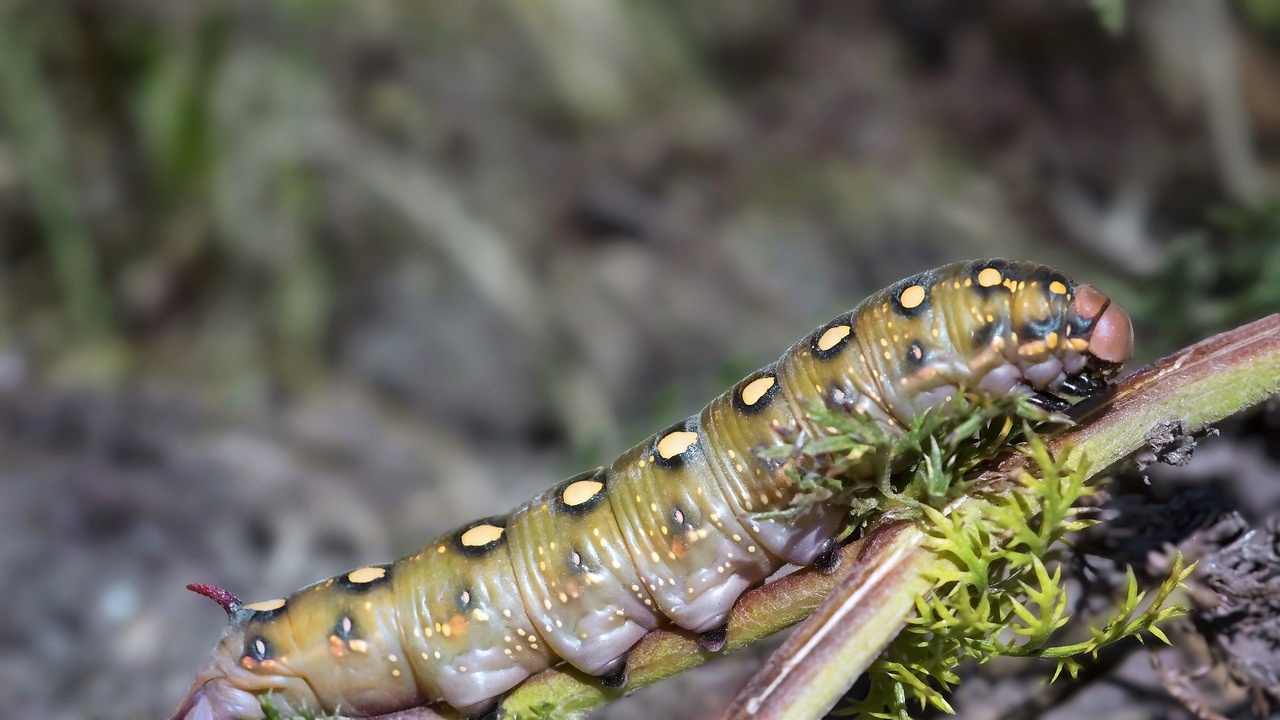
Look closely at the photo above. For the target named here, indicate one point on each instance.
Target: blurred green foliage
(1110, 14)
(1224, 275)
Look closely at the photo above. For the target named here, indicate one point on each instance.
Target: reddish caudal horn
(222, 596)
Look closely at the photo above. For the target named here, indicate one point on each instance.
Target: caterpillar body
(672, 531)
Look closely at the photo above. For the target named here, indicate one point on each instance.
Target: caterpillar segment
(673, 531)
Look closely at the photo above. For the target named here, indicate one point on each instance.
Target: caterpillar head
(1110, 331)
(1066, 338)
(241, 669)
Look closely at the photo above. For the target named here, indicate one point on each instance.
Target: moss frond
(270, 712)
(997, 578)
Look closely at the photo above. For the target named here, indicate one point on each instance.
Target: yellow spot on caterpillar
(990, 277)
(1057, 288)
(265, 605)
(1051, 340)
(440, 549)
(1032, 349)
(756, 389)
(358, 645)
(424, 655)
(654, 556)
(366, 575)
(751, 548)
(508, 651)
(546, 603)
(534, 646)
(395, 672)
(480, 615)
(392, 658)
(580, 492)
(462, 668)
(675, 443)
(481, 535)
(912, 297)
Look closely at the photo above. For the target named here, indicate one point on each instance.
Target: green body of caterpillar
(673, 531)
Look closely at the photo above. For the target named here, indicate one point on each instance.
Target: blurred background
(286, 288)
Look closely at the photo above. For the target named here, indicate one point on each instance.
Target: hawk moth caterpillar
(672, 531)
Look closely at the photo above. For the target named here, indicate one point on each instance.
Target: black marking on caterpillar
(911, 296)
(580, 494)
(672, 531)
(988, 278)
(267, 610)
(829, 340)
(672, 446)
(916, 355)
(364, 579)
(257, 649)
(481, 537)
(756, 391)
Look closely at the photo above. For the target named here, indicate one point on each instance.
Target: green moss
(271, 713)
(999, 591)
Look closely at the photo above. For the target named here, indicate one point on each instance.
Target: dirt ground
(288, 291)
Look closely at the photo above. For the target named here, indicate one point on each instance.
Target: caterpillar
(672, 531)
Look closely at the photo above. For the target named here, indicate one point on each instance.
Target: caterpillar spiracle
(672, 531)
